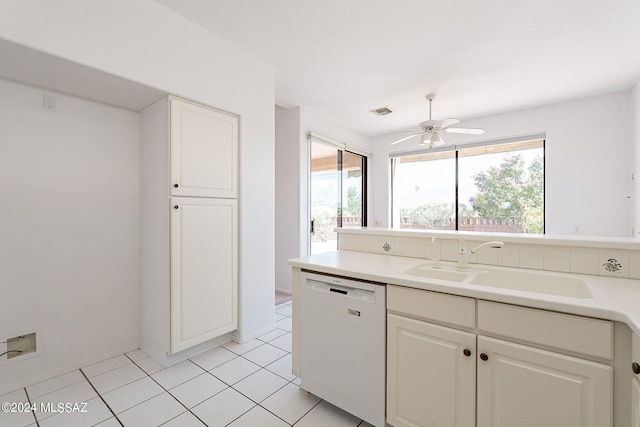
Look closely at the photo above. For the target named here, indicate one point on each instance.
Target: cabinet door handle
(484, 356)
(635, 367)
(466, 352)
(176, 207)
(176, 185)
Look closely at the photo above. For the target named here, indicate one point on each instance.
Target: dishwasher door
(343, 344)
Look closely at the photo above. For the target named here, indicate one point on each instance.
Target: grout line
(31, 403)
(102, 398)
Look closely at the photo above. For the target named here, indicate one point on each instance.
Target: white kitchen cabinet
(635, 382)
(204, 151)
(524, 386)
(204, 294)
(543, 379)
(430, 374)
(188, 254)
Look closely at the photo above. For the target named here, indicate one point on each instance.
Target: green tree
(354, 201)
(512, 191)
(435, 215)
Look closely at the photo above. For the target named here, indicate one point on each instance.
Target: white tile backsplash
(509, 255)
(613, 262)
(538, 255)
(584, 260)
(557, 258)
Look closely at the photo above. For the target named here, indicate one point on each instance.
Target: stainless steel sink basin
(427, 270)
(529, 281)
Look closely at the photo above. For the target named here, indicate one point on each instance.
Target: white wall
(292, 176)
(69, 229)
(147, 43)
(287, 194)
(635, 154)
(588, 166)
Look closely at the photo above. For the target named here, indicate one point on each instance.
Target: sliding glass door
(337, 193)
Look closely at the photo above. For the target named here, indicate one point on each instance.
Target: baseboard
(242, 338)
(7, 388)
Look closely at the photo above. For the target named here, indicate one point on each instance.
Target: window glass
(497, 188)
(424, 191)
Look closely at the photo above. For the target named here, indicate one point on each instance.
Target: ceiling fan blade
(468, 131)
(405, 138)
(446, 123)
(401, 130)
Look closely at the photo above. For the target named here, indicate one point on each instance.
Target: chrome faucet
(464, 253)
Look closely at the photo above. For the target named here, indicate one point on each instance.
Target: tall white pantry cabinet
(189, 233)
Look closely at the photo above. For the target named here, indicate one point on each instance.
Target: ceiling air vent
(382, 111)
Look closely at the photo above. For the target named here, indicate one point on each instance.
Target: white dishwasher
(343, 343)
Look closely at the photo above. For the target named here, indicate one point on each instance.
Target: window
(491, 187)
(337, 193)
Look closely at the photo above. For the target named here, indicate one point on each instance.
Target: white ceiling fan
(429, 131)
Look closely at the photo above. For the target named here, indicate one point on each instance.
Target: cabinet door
(430, 380)
(204, 151)
(528, 387)
(635, 402)
(204, 289)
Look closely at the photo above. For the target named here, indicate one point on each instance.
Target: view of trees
(512, 191)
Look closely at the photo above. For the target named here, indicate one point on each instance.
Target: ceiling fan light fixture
(424, 139)
(436, 140)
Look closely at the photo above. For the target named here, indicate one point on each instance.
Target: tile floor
(248, 385)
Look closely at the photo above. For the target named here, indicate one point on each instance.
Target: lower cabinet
(524, 386)
(431, 373)
(442, 376)
(635, 382)
(204, 284)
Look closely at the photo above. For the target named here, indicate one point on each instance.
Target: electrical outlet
(49, 103)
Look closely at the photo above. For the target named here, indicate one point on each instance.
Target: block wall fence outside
(596, 256)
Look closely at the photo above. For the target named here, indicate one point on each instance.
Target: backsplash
(592, 257)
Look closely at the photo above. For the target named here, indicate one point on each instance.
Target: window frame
(533, 138)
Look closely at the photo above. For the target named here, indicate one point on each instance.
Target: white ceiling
(342, 58)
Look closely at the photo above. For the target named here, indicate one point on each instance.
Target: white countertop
(613, 298)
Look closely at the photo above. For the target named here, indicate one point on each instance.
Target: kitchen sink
(542, 283)
(427, 270)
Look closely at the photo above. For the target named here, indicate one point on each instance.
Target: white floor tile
(325, 414)
(260, 385)
(242, 348)
(16, 419)
(290, 403)
(76, 393)
(198, 389)
(118, 377)
(177, 374)
(235, 370)
(53, 384)
(152, 412)
(282, 367)
(284, 310)
(223, 408)
(185, 420)
(283, 342)
(111, 422)
(259, 416)
(272, 335)
(212, 358)
(278, 317)
(137, 355)
(130, 395)
(106, 365)
(284, 324)
(149, 365)
(264, 355)
(93, 413)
